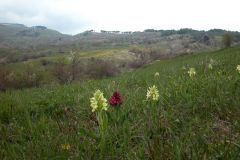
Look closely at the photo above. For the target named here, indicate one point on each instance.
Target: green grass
(195, 118)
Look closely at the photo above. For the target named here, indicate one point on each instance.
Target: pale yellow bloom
(184, 68)
(98, 102)
(65, 146)
(212, 61)
(192, 72)
(210, 66)
(152, 93)
(156, 74)
(238, 68)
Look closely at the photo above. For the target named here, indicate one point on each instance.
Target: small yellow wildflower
(98, 101)
(210, 66)
(192, 72)
(156, 74)
(152, 93)
(238, 68)
(65, 147)
(184, 68)
(212, 61)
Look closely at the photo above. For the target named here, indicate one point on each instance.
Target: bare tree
(74, 60)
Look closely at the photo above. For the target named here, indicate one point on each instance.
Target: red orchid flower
(115, 99)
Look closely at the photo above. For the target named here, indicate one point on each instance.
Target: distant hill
(21, 36)
(19, 42)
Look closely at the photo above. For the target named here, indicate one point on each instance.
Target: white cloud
(73, 16)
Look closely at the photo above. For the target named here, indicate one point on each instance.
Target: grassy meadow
(195, 118)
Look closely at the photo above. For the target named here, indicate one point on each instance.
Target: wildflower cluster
(238, 68)
(98, 102)
(152, 93)
(65, 147)
(192, 72)
(210, 66)
(115, 99)
(183, 68)
(156, 74)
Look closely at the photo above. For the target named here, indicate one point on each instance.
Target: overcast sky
(74, 16)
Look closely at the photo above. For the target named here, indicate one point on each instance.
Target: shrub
(136, 64)
(98, 68)
(3, 80)
(45, 62)
(227, 39)
(145, 54)
(66, 72)
(19, 80)
(62, 73)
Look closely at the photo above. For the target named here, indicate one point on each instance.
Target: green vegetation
(196, 117)
(64, 68)
(227, 39)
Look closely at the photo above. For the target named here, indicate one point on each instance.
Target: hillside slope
(38, 37)
(21, 43)
(23, 37)
(196, 117)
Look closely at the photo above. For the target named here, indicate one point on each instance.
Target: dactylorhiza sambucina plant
(156, 77)
(210, 66)
(238, 68)
(100, 106)
(65, 147)
(152, 94)
(116, 101)
(156, 74)
(98, 102)
(192, 72)
(152, 99)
